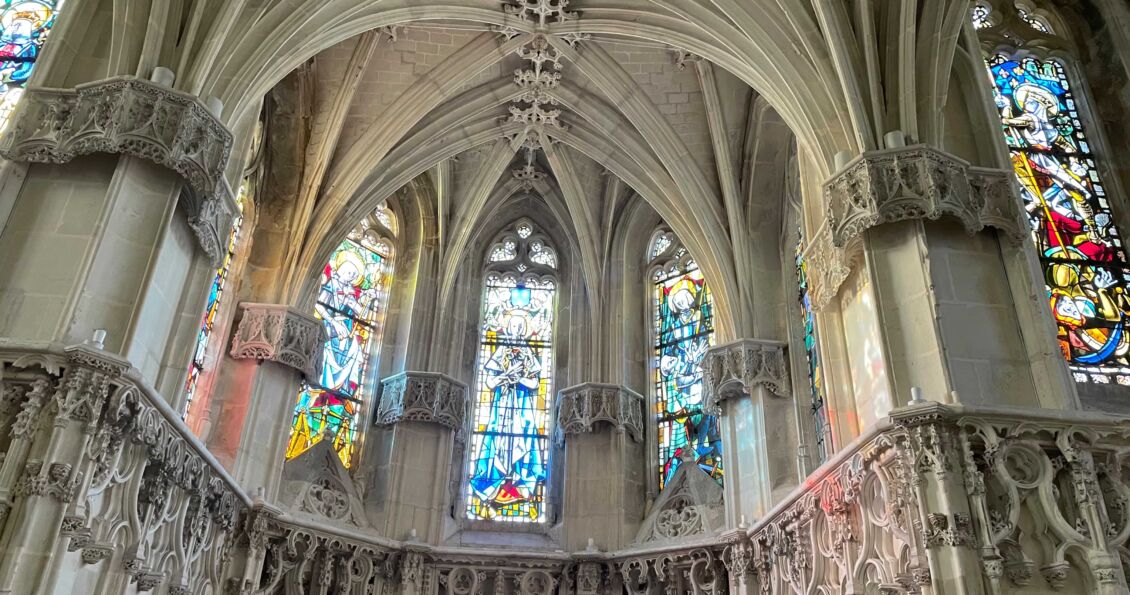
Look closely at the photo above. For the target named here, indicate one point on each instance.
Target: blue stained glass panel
(812, 353)
(24, 25)
(683, 331)
(509, 442)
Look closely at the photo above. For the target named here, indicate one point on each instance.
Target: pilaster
(746, 383)
(273, 347)
(602, 502)
(421, 417)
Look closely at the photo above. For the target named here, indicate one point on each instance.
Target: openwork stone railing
(99, 470)
(280, 334)
(581, 407)
(133, 117)
(423, 396)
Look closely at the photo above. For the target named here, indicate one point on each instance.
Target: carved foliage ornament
(738, 368)
(919, 182)
(423, 396)
(580, 407)
(139, 118)
(280, 334)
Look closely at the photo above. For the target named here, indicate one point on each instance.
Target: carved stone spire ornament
(270, 332)
(737, 368)
(135, 117)
(424, 397)
(581, 407)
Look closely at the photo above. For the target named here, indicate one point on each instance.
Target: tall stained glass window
(682, 331)
(510, 436)
(351, 303)
(24, 25)
(212, 307)
(812, 353)
(1081, 251)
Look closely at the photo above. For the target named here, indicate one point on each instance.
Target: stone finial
(739, 367)
(280, 334)
(423, 396)
(920, 182)
(580, 407)
(135, 117)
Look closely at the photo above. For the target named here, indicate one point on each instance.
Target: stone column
(924, 288)
(272, 348)
(92, 239)
(421, 416)
(602, 429)
(746, 383)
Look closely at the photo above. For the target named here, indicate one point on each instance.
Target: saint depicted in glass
(24, 25)
(683, 330)
(215, 298)
(1072, 225)
(350, 303)
(509, 441)
(812, 353)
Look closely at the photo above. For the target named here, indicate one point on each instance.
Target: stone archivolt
(424, 397)
(140, 118)
(920, 182)
(581, 407)
(738, 368)
(270, 332)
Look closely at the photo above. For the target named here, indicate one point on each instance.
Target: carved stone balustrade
(423, 396)
(737, 368)
(270, 332)
(135, 117)
(920, 182)
(581, 407)
(99, 465)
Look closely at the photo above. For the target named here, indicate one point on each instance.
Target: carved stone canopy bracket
(827, 267)
(919, 182)
(139, 118)
(423, 396)
(280, 334)
(737, 368)
(580, 407)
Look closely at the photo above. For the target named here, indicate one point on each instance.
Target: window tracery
(1079, 246)
(682, 330)
(351, 304)
(24, 26)
(509, 462)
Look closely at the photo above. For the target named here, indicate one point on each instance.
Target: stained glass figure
(350, 303)
(24, 25)
(1073, 228)
(683, 331)
(212, 306)
(812, 353)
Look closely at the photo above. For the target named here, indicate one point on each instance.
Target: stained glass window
(212, 307)
(980, 15)
(24, 25)
(812, 353)
(1081, 251)
(350, 305)
(509, 441)
(1033, 21)
(683, 329)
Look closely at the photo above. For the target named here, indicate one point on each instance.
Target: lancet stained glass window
(812, 354)
(510, 437)
(1081, 251)
(212, 307)
(683, 329)
(350, 304)
(24, 25)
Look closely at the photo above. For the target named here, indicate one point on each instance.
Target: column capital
(580, 407)
(737, 368)
(280, 334)
(423, 396)
(130, 116)
(920, 182)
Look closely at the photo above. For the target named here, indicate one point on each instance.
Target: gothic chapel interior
(564, 297)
